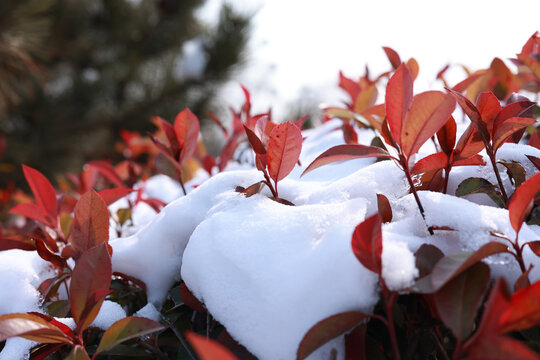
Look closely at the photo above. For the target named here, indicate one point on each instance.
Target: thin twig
(181, 338)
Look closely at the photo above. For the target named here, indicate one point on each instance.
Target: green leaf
(475, 185)
(515, 172)
(125, 329)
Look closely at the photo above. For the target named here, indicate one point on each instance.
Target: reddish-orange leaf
(328, 329)
(350, 86)
(469, 143)
(31, 327)
(522, 200)
(91, 277)
(535, 161)
(346, 152)
(90, 225)
(524, 310)
(43, 191)
(168, 129)
(507, 128)
(283, 150)
(125, 329)
(385, 210)
(349, 134)
(431, 162)
(447, 136)
(16, 243)
(367, 243)
(366, 98)
(186, 127)
(534, 140)
(208, 349)
(107, 171)
(428, 112)
(489, 107)
(399, 95)
(46, 254)
(254, 141)
(473, 114)
(477, 160)
(516, 109)
(111, 195)
(32, 211)
(392, 56)
(412, 64)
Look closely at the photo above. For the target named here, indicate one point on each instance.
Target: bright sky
(298, 46)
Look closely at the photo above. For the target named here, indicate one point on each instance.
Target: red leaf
(228, 152)
(186, 126)
(487, 343)
(168, 129)
(46, 254)
(524, 310)
(534, 140)
(431, 162)
(392, 56)
(91, 277)
(254, 141)
(190, 300)
(31, 211)
(349, 134)
(399, 95)
(216, 120)
(90, 225)
(507, 128)
(283, 150)
(469, 143)
(459, 300)
(22, 244)
(208, 349)
(126, 329)
(43, 192)
(111, 195)
(31, 327)
(447, 136)
(346, 152)
(428, 112)
(385, 210)
(535, 161)
(473, 114)
(367, 243)
(154, 203)
(327, 329)
(351, 87)
(477, 160)
(451, 266)
(515, 109)
(107, 171)
(522, 200)
(489, 107)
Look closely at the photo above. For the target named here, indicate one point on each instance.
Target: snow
(267, 271)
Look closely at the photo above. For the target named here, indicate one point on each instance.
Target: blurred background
(73, 73)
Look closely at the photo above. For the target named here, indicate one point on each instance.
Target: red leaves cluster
(277, 149)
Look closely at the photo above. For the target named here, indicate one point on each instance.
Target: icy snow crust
(268, 272)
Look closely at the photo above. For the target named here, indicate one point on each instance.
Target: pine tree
(75, 72)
